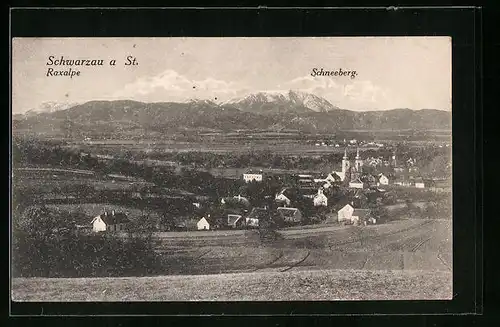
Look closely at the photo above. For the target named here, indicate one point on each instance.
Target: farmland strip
(280, 255)
(419, 244)
(297, 263)
(203, 254)
(381, 235)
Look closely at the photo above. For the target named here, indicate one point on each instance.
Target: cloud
(171, 86)
(353, 94)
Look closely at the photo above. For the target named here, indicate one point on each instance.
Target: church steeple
(358, 162)
(345, 164)
(394, 163)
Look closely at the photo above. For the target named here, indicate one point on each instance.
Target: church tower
(393, 161)
(358, 163)
(345, 164)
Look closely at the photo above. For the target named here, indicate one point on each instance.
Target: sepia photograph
(231, 169)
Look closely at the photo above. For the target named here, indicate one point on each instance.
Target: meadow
(325, 285)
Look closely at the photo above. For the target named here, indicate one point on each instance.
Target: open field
(403, 245)
(50, 179)
(407, 259)
(327, 285)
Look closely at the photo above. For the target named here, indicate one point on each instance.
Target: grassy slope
(260, 286)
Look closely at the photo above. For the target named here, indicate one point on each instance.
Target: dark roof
(258, 213)
(335, 175)
(253, 171)
(235, 200)
(419, 180)
(288, 192)
(213, 220)
(113, 219)
(231, 219)
(308, 190)
(233, 211)
(361, 213)
(287, 212)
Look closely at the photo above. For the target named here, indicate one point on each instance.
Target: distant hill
(47, 107)
(293, 111)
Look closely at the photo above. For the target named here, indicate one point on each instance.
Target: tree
(358, 233)
(380, 213)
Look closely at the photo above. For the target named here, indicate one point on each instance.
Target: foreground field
(258, 286)
(408, 259)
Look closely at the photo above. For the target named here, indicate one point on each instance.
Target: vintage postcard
(231, 169)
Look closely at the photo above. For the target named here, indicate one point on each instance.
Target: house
(357, 183)
(362, 216)
(290, 215)
(235, 201)
(413, 170)
(403, 180)
(327, 185)
(383, 180)
(251, 175)
(419, 182)
(345, 213)
(112, 222)
(350, 215)
(203, 224)
(235, 221)
(308, 192)
(282, 198)
(320, 199)
(257, 214)
(305, 183)
(319, 180)
(333, 178)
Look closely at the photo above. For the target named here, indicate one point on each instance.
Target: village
(356, 194)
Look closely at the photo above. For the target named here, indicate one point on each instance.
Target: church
(351, 170)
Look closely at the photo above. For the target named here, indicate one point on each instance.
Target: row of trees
(432, 160)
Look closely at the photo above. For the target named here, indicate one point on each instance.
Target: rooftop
(362, 213)
(114, 218)
(258, 213)
(287, 212)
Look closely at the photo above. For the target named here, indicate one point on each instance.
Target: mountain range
(273, 111)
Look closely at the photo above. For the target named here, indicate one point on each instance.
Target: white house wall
(98, 225)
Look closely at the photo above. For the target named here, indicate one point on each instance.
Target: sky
(392, 72)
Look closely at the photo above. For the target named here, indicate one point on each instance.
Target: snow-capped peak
(49, 107)
(284, 98)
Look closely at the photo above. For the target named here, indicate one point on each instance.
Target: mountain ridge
(304, 112)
